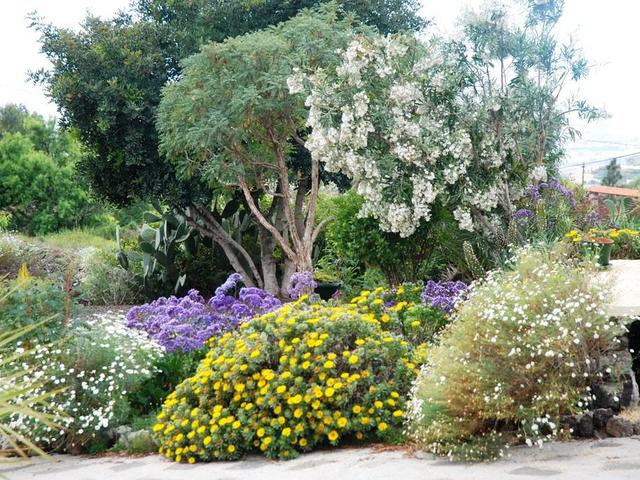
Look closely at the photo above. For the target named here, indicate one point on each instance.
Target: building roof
(617, 191)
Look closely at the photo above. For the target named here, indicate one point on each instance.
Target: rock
(605, 395)
(139, 435)
(122, 431)
(569, 423)
(619, 427)
(601, 416)
(630, 396)
(636, 428)
(585, 426)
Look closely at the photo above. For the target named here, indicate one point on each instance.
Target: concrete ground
(622, 278)
(610, 459)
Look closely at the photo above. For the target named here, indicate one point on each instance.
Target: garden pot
(604, 258)
(327, 289)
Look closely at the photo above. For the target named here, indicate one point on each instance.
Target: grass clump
(521, 352)
(288, 381)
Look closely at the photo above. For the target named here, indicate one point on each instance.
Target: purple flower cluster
(301, 283)
(523, 213)
(534, 192)
(443, 295)
(185, 323)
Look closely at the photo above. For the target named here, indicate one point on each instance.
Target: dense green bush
(521, 352)
(305, 375)
(359, 244)
(42, 192)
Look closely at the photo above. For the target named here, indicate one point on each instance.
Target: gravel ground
(610, 459)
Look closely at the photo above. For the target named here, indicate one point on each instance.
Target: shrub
(521, 352)
(359, 243)
(286, 382)
(27, 301)
(87, 379)
(401, 310)
(171, 369)
(185, 323)
(104, 282)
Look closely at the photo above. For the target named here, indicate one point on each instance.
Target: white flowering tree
(466, 123)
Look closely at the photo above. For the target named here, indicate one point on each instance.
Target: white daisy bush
(522, 351)
(91, 371)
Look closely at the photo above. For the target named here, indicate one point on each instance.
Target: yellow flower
(281, 388)
(297, 413)
(397, 413)
(353, 359)
(332, 435)
(303, 442)
(260, 432)
(286, 432)
(329, 392)
(207, 440)
(382, 426)
(231, 448)
(254, 353)
(378, 404)
(357, 409)
(329, 364)
(342, 422)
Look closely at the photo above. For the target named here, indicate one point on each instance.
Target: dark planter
(604, 258)
(327, 289)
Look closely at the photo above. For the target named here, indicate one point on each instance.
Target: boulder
(605, 395)
(601, 416)
(585, 426)
(569, 423)
(619, 427)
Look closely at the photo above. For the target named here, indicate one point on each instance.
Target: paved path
(623, 277)
(610, 459)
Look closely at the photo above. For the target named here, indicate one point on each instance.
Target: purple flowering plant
(301, 283)
(186, 323)
(443, 295)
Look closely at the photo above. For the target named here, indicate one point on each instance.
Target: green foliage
(107, 78)
(171, 370)
(78, 239)
(41, 191)
(521, 352)
(226, 121)
(359, 244)
(286, 382)
(28, 301)
(105, 282)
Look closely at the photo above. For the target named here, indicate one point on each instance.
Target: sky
(607, 31)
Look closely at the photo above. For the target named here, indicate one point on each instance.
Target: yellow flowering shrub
(401, 311)
(304, 375)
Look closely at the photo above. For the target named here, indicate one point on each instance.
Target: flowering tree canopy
(467, 123)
